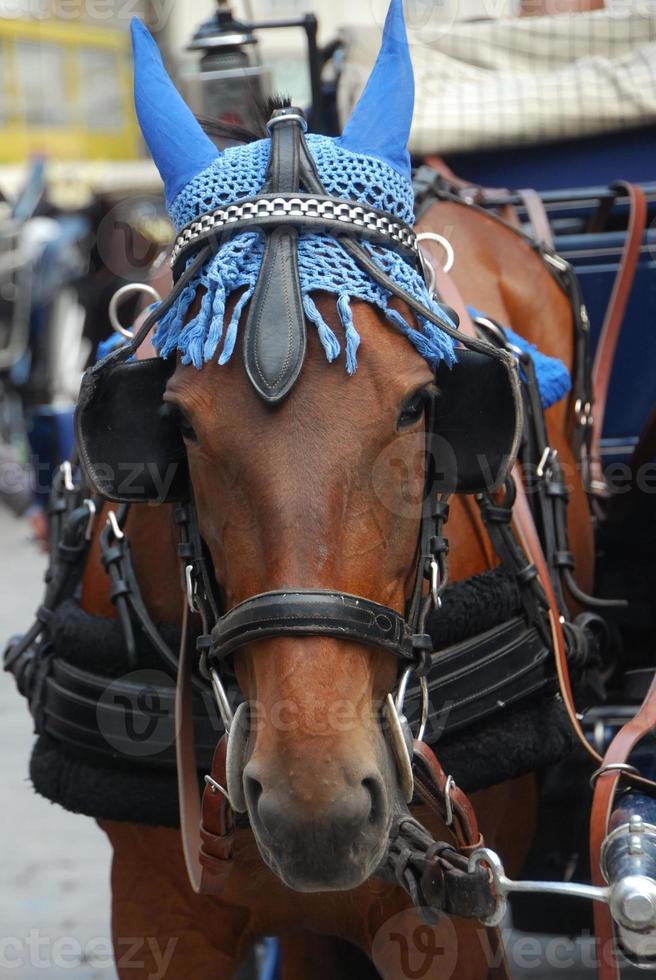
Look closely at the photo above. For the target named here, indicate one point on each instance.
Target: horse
(286, 500)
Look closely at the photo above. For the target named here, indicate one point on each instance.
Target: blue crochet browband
(237, 177)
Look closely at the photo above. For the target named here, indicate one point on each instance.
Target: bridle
(273, 365)
(281, 212)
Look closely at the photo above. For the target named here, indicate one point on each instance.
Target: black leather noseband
(313, 612)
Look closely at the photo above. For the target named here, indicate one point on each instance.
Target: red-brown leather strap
(445, 799)
(610, 331)
(208, 831)
(537, 215)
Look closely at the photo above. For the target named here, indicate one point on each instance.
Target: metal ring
(484, 858)
(613, 767)
(190, 588)
(431, 236)
(399, 700)
(285, 118)
(119, 295)
(217, 787)
(450, 783)
(425, 705)
(112, 520)
(66, 470)
(91, 507)
(221, 698)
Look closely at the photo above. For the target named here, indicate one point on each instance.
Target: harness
(479, 415)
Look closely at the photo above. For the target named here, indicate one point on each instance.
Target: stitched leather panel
(275, 336)
(474, 678)
(312, 612)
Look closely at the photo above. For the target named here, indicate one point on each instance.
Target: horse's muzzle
(330, 843)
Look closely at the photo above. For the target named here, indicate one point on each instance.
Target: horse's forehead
(388, 368)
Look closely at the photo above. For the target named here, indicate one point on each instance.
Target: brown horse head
(321, 491)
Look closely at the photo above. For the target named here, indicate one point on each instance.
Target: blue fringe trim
(329, 341)
(352, 335)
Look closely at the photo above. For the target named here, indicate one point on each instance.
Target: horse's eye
(413, 410)
(187, 429)
(180, 418)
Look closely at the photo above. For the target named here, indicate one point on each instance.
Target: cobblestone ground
(54, 866)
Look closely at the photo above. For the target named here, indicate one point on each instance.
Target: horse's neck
(499, 273)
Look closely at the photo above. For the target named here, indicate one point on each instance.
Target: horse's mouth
(317, 866)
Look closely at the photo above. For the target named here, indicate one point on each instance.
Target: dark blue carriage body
(633, 382)
(590, 164)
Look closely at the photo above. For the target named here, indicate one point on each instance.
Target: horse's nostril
(374, 787)
(252, 791)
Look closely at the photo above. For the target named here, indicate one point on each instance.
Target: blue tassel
(213, 313)
(352, 335)
(327, 336)
(105, 347)
(432, 345)
(231, 333)
(168, 329)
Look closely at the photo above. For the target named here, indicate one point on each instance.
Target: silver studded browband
(309, 211)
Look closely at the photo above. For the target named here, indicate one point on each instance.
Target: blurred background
(558, 95)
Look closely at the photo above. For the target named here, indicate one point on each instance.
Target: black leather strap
(275, 335)
(473, 679)
(313, 612)
(310, 213)
(102, 718)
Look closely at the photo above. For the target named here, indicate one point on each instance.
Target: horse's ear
(381, 121)
(175, 138)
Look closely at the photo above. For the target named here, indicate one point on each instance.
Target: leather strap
(432, 785)
(619, 750)
(312, 612)
(275, 334)
(537, 215)
(476, 194)
(610, 332)
(207, 830)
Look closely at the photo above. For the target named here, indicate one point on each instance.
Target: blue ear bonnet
(240, 172)
(323, 265)
(369, 164)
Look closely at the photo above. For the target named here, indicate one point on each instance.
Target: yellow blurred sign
(65, 90)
